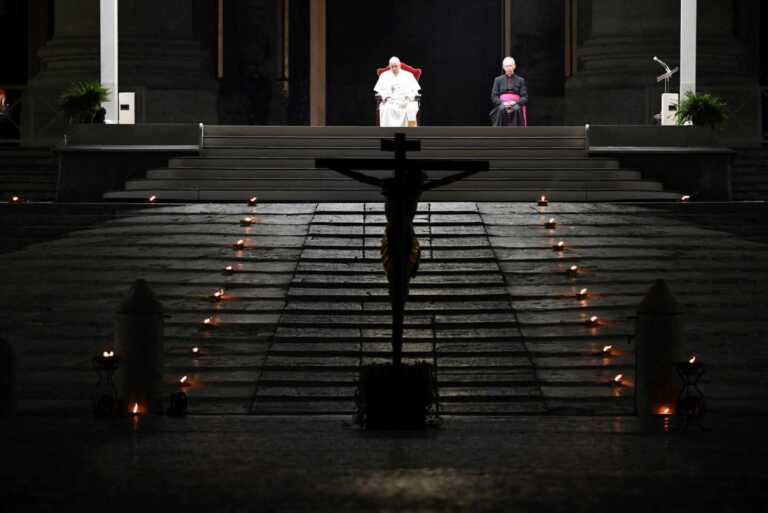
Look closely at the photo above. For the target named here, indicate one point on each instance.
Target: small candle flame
(594, 319)
(685, 197)
(135, 410)
(195, 350)
(246, 221)
(152, 199)
(618, 378)
(692, 360)
(583, 294)
(574, 269)
(229, 269)
(607, 349)
(15, 199)
(240, 244)
(543, 198)
(665, 410)
(108, 354)
(252, 201)
(183, 380)
(208, 321)
(218, 295)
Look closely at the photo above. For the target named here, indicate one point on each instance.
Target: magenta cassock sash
(511, 97)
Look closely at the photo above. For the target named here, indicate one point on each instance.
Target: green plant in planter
(702, 109)
(81, 102)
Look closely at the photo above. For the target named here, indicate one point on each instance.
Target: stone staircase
(277, 164)
(27, 172)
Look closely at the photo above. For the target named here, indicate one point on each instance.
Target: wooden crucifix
(400, 251)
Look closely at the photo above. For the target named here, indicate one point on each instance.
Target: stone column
(614, 76)
(71, 55)
(317, 71)
(161, 59)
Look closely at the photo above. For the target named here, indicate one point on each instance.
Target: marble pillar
(161, 60)
(614, 75)
(71, 55)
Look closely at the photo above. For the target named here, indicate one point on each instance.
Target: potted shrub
(81, 102)
(702, 109)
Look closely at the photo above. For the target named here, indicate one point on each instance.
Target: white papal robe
(398, 93)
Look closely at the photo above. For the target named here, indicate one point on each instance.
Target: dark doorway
(457, 43)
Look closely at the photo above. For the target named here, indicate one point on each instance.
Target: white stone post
(109, 62)
(688, 31)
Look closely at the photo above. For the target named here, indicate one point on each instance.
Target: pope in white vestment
(398, 89)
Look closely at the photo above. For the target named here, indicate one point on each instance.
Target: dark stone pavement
(319, 464)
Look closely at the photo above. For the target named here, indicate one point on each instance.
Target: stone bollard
(139, 344)
(7, 379)
(659, 342)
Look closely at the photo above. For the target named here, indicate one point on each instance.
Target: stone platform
(492, 304)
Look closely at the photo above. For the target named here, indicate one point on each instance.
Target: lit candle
(593, 321)
(135, 410)
(195, 351)
(229, 270)
(16, 199)
(692, 360)
(551, 224)
(665, 410)
(152, 199)
(218, 295)
(607, 349)
(207, 323)
(252, 201)
(247, 221)
(184, 382)
(573, 270)
(239, 245)
(583, 294)
(685, 198)
(617, 380)
(107, 361)
(543, 201)
(559, 247)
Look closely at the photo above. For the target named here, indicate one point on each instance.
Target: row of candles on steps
(594, 321)
(220, 294)
(573, 271)
(179, 399)
(543, 201)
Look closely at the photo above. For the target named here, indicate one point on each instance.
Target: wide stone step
(374, 143)
(376, 153)
(555, 193)
(281, 162)
(320, 184)
(379, 132)
(312, 173)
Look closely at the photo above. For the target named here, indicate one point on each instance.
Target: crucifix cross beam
(400, 145)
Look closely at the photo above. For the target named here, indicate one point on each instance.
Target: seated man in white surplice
(398, 89)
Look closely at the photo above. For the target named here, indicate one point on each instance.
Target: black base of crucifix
(396, 398)
(392, 395)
